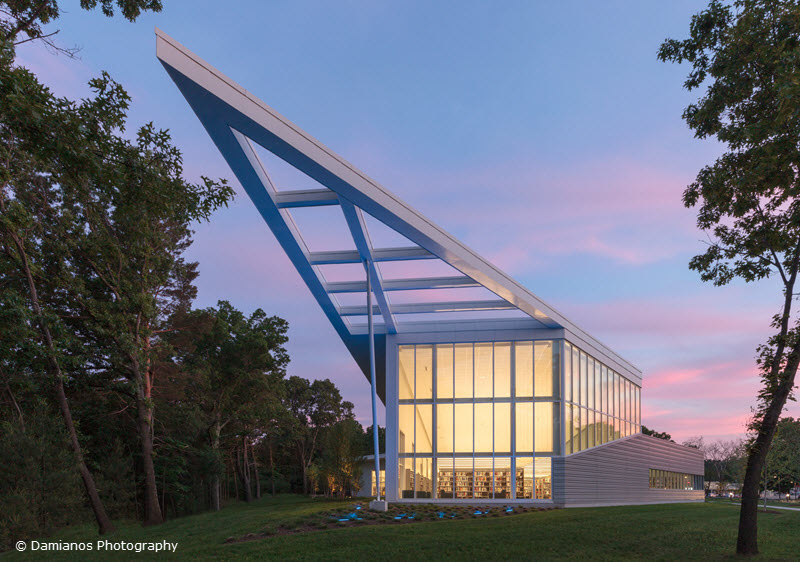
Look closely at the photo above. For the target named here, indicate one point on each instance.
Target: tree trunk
(747, 541)
(271, 468)
(216, 430)
(235, 466)
(16, 406)
(255, 472)
(104, 524)
(144, 419)
(244, 472)
(304, 468)
(164, 493)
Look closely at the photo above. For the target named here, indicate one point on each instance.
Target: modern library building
(491, 395)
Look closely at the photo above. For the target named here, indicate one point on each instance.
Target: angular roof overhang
(239, 123)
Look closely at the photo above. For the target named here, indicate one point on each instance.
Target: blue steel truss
(236, 121)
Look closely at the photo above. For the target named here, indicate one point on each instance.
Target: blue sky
(546, 135)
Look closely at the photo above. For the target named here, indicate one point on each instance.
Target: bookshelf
(460, 484)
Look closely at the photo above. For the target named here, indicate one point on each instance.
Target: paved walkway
(761, 506)
(782, 507)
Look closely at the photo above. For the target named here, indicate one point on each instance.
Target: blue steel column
(372, 382)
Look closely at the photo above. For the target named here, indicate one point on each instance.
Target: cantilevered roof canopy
(242, 126)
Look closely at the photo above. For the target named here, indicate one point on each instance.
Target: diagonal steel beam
(358, 229)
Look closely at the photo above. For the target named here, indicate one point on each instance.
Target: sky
(547, 136)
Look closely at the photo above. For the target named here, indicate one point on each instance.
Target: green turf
(660, 532)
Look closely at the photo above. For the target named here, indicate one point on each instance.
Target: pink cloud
(615, 209)
(712, 398)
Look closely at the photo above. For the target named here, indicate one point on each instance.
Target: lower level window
(383, 483)
(468, 478)
(667, 480)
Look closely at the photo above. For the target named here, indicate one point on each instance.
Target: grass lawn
(660, 532)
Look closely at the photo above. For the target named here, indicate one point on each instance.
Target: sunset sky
(545, 135)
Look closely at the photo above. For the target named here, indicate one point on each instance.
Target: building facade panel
(618, 473)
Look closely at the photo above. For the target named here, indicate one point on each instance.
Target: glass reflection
(576, 377)
(523, 369)
(567, 372)
(543, 369)
(484, 418)
(502, 427)
(444, 428)
(463, 370)
(484, 366)
(584, 380)
(405, 437)
(424, 372)
(424, 426)
(524, 433)
(598, 386)
(444, 371)
(406, 360)
(463, 428)
(544, 424)
(568, 429)
(502, 370)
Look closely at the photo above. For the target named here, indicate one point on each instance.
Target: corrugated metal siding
(617, 473)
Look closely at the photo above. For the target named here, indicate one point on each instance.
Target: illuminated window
(471, 417)
(667, 480)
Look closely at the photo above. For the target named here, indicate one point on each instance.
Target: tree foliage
(166, 410)
(783, 461)
(657, 434)
(22, 21)
(38, 479)
(745, 56)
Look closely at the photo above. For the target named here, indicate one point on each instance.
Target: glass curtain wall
(600, 405)
(478, 420)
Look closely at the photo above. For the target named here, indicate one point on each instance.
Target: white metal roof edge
(458, 255)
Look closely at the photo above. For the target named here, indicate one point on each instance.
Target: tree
(783, 461)
(746, 55)
(368, 440)
(343, 455)
(313, 407)
(38, 480)
(128, 247)
(45, 144)
(233, 369)
(724, 462)
(23, 21)
(695, 442)
(657, 434)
